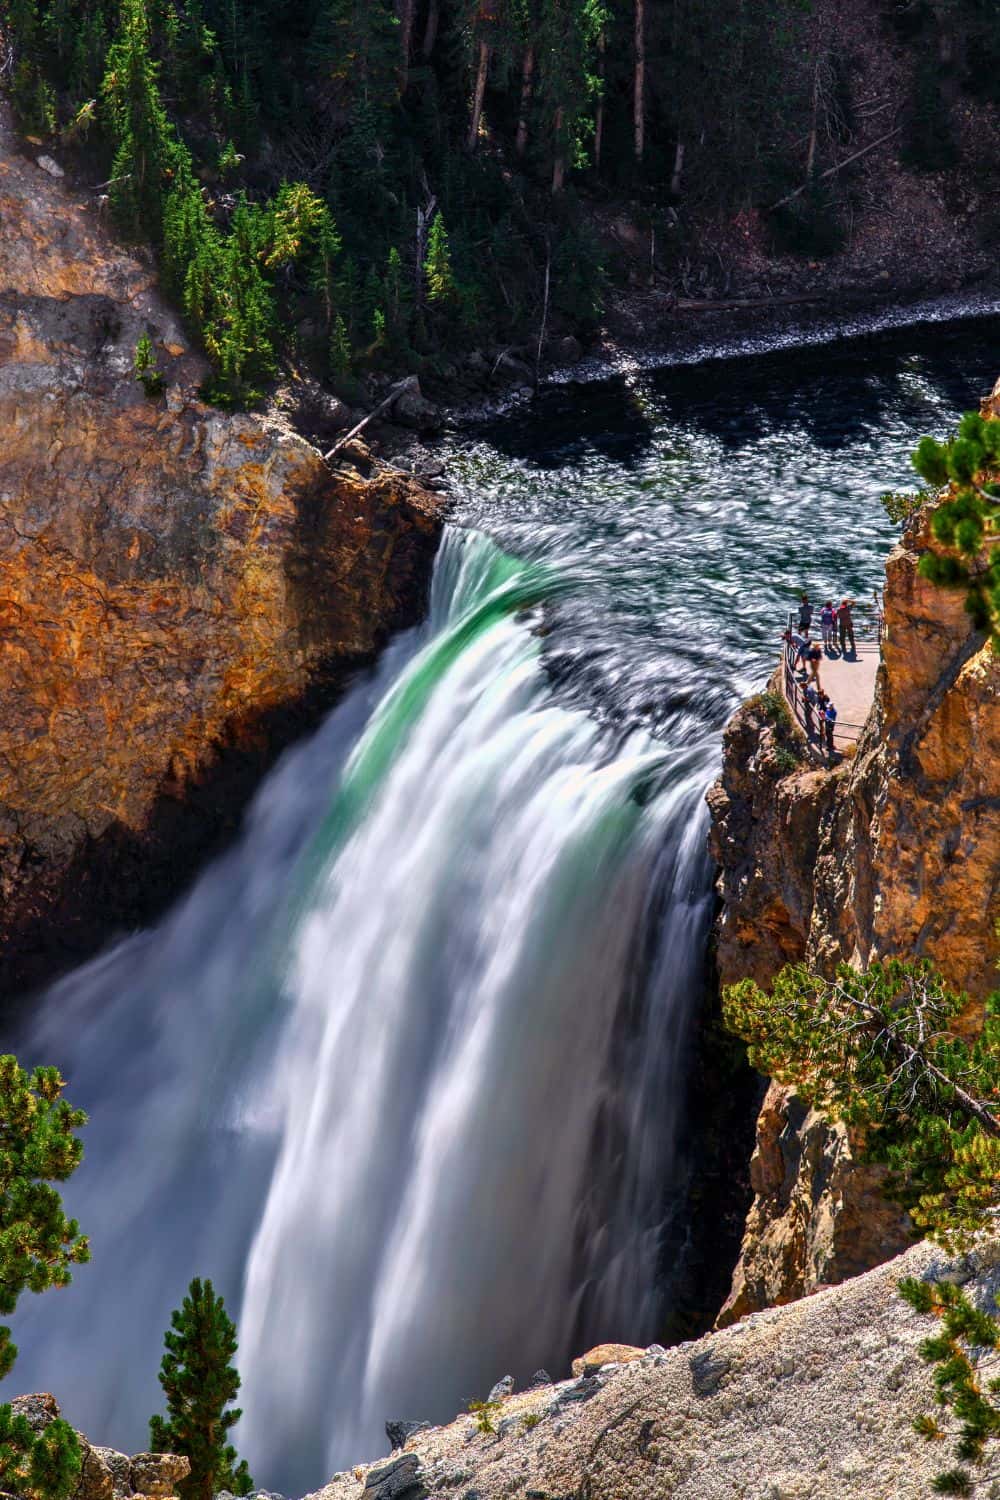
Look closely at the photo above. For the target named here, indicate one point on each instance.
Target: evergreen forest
(364, 184)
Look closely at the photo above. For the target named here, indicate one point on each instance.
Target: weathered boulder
(412, 409)
(605, 1354)
(813, 1401)
(180, 589)
(104, 1473)
(895, 853)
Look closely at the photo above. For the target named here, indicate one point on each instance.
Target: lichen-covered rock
(895, 853)
(104, 1473)
(813, 1401)
(177, 585)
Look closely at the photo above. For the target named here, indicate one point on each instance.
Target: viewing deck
(848, 679)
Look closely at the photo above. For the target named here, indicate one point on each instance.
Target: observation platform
(847, 677)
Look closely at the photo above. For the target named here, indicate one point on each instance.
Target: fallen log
(728, 304)
(408, 384)
(832, 171)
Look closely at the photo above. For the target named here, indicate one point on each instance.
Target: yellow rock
(606, 1354)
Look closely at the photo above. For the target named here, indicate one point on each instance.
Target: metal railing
(869, 631)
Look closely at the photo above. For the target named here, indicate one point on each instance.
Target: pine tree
(143, 137)
(966, 522)
(199, 1382)
(38, 1246)
(441, 286)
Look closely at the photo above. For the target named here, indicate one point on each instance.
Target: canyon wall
(896, 852)
(179, 587)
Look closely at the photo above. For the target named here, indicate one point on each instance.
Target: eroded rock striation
(176, 584)
(896, 852)
(814, 1401)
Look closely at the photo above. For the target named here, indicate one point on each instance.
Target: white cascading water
(402, 1073)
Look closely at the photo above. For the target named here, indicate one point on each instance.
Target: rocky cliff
(810, 1402)
(105, 1474)
(177, 585)
(895, 852)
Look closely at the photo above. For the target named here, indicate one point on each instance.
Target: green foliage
(901, 507)
(441, 286)
(38, 1146)
(38, 1466)
(199, 1383)
(143, 138)
(485, 1413)
(966, 474)
(879, 1051)
(956, 1352)
(38, 1246)
(144, 367)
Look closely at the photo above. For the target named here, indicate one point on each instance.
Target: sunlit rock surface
(174, 581)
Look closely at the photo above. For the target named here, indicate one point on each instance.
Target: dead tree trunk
(559, 164)
(639, 94)
(431, 29)
(677, 175)
(404, 12)
(480, 94)
(602, 44)
(527, 85)
(424, 217)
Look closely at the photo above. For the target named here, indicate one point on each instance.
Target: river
(404, 1071)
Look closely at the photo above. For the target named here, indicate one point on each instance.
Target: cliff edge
(896, 852)
(178, 586)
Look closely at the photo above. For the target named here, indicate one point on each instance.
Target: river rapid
(404, 1072)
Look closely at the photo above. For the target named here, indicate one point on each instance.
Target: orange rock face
(896, 853)
(175, 583)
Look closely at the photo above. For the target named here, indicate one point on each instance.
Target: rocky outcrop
(810, 1402)
(177, 585)
(896, 852)
(105, 1474)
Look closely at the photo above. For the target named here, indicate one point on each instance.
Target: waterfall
(403, 1072)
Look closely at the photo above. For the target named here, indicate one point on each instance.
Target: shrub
(878, 1050)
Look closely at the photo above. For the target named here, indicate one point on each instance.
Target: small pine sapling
(959, 1352)
(199, 1382)
(145, 369)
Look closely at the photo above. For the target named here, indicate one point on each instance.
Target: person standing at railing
(828, 624)
(810, 703)
(829, 724)
(845, 624)
(814, 658)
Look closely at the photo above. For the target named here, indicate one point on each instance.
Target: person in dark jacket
(805, 613)
(845, 627)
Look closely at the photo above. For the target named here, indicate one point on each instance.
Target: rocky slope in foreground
(809, 1402)
(895, 853)
(176, 584)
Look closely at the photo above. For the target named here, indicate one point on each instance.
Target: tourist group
(805, 654)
